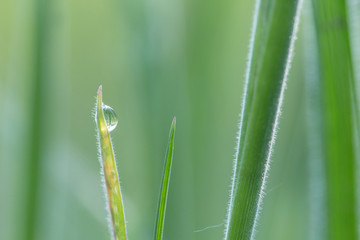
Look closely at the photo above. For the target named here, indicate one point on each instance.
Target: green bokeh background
(155, 59)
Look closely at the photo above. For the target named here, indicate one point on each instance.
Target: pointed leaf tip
(164, 189)
(100, 90)
(109, 171)
(99, 97)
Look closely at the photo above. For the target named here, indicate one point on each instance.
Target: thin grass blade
(160, 219)
(273, 37)
(109, 171)
(41, 9)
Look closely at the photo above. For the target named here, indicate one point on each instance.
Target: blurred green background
(155, 59)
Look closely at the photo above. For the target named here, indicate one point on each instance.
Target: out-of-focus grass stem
(36, 121)
(314, 120)
(340, 113)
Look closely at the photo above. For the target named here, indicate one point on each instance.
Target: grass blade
(314, 122)
(160, 219)
(340, 117)
(274, 33)
(111, 178)
(37, 120)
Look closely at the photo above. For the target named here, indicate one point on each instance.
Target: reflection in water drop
(110, 117)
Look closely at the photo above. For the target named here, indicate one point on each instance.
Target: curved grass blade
(111, 178)
(272, 41)
(159, 227)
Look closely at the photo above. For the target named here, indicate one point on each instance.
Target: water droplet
(110, 117)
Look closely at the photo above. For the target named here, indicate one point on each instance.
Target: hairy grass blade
(340, 114)
(109, 171)
(274, 33)
(159, 227)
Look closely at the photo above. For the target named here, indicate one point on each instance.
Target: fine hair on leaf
(269, 61)
(106, 121)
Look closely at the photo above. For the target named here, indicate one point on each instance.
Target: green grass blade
(37, 120)
(111, 178)
(340, 117)
(314, 122)
(160, 219)
(274, 33)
